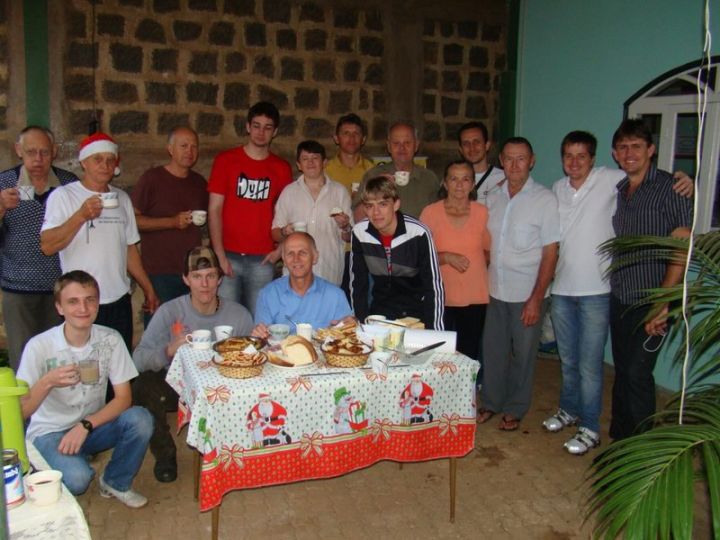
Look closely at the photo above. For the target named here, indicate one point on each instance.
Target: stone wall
(5, 137)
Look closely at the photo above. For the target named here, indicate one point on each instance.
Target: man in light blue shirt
(300, 297)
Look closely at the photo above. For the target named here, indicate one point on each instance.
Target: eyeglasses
(35, 152)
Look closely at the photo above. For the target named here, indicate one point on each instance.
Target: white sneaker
(129, 498)
(559, 420)
(584, 440)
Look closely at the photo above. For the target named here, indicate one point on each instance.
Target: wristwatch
(87, 424)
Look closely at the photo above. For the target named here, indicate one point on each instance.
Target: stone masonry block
(165, 6)
(202, 5)
(363, 100)
(449, 106)
(500, 61)
(265, 66)
(169, 121)
(340, 101)
(274, 96)
(344, 44)
(79, 88)
(161, 93)
(453, 54)
(451, 81)
(307, 98)
(203, 63)
(374, 20)
(428, 101)
(310, 11)
(209, 123)
(255, 35)
(317, 128)
(186, 30)
(240, 125)
(315, 40)
(351, 71)
(428, 27)
(288, 126)
(371, 46)
(451, 130)
(235, 62)
(151, 31)
(378, 101)
(237, 96)
(82, 54)
(198, 92)
(432, 132)
(491, 32)
(478, 57)
(3, 49)
(379, 129)
(324, 70)
(165, 60)
(446, 29)
(126, 58)
(80, 120)
(475, 107)
(292, 69)
(286, 38)
(3, 118)
(119, 92)
(110, 25)
(430, 52)
(468, 29)
(345, 18)
(221, 33)
(374, 74)
(241, 8)
(479, 80)
(75, 21)
(277, 11)
(129, 122)
(430, 79)
(133, 3)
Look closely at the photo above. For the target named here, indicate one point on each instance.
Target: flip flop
(483, 415)
(509, 423)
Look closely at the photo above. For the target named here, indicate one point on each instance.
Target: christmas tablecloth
(319, 422)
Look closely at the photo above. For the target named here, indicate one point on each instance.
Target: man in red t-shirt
(245, 183)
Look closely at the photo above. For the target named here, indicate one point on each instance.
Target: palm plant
(643, 486)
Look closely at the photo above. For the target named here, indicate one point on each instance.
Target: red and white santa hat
(97, 143)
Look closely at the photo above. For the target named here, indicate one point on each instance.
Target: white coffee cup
(223, 331)
(300, 226)
(304, 330)
(44, 487)
(110, 199)
(199, 217)
(376, 334)
(402, 178)
(199, 339)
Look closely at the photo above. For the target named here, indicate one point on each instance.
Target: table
(59, 521)
(319, 422)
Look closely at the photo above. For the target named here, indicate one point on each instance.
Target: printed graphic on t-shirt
(253, 189)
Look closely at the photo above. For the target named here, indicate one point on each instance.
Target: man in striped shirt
(646, 205)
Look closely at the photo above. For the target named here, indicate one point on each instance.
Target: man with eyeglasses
(27, 276)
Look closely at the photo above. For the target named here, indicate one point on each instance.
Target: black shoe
(166, 470)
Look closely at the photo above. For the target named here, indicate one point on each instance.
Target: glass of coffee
(89, 371)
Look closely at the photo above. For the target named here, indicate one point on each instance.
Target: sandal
(509, 423)
(483, 415)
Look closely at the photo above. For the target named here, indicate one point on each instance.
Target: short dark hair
(443, 192)
(580, 137)
(379, 186)
(81, 277)
(351, 118)
(517, 140)
(264, 108)
(473, 125)
(311, 147)
(633, 127)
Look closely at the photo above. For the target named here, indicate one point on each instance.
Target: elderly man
(525, 229)
(163, 199)
(398, 253)
(474, 145)
(26, 275)
(92, 225)
(201, 309)
(69, 419)
(423, 186)
(245, 183)
(300, 296)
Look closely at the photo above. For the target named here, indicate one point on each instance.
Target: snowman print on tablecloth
(266, 423)
(415, 401)
(349, 415)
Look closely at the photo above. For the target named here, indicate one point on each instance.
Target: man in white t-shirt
(92, 225)
(68, 368)
(474, 144)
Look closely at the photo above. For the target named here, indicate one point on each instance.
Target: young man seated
(398, 252)
(68, 368)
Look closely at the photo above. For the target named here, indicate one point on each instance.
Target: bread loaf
(298, 351)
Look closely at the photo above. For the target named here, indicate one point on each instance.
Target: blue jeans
(128, 434)
(581, 326)
(250, 276)
(167, 287)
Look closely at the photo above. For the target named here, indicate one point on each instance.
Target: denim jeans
(581, 326)
(250, 276)
(167, 287)
(128, 434)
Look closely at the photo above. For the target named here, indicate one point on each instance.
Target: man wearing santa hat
(92, 225)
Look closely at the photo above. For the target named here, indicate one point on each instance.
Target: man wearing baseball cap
(202, 309)
(92, 226)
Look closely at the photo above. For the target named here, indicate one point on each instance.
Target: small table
(319, 422)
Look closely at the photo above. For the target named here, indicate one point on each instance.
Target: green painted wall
(579, 60)
(37, 83)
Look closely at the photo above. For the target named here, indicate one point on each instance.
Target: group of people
(478, 252)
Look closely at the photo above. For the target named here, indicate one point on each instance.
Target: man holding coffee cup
(68, 368)
(92, 235)
(170, 204)
(198, 311)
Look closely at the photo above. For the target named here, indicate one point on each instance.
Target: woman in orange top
(459, 228)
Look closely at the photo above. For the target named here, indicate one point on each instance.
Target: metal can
(14, 492)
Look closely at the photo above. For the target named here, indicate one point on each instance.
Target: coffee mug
(199, 339)
(304, 330)
(110, 199)
(278, 332)
(300, 226)
(223, 331)
(89, 371)
(199, 217)
(44, 487)
(378, 335)
(402, 178)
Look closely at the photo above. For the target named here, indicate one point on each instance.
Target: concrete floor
(520, 485)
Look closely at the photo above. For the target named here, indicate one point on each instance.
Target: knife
(428, 348)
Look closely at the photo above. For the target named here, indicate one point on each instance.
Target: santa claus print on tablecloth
(415, 401)
(349, 414)
(266, 423)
